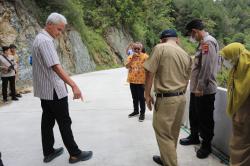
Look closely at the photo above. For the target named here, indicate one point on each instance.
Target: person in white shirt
(8, 72)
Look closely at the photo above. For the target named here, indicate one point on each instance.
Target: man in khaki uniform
(170, 67)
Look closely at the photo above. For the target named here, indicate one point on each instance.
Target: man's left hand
(149, 101)
(77, 93)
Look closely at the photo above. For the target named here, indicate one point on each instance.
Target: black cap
(4, 48)
(12, 46)
(168, 33)
(194, 24)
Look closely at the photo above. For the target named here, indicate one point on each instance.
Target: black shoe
(141, 117)
(18, 95)
(204, 150)
(15, 98)
(133, 114)
(1, 163)
(190, 140)
(5, 100)
(203, 153)
(83, 156)
(56, 153)
(157, 159)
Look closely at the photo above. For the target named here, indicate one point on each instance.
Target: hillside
(100, 30)
(96, 37)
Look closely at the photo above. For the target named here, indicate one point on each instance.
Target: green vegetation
(105, 67)
(143, 19)
(227, 20)
(222, 77)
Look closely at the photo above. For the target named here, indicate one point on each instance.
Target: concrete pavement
(100, 123)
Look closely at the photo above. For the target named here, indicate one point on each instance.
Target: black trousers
(10, 88)
(57, 110)
(5, 81)
(1, 163)
(201, 116)
(137, 91)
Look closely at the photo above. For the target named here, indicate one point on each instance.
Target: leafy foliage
(143, 19)
(222, 77)
(227, 20)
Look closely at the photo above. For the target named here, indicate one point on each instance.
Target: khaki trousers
(240, 141)
(167, 119)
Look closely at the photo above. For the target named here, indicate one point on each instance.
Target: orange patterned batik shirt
(136, 72)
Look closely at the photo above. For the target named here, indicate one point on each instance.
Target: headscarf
(238, 88)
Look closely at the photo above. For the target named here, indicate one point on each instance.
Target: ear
(194, 30)
(178, 41)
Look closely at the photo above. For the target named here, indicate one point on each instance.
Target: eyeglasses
(137, 48)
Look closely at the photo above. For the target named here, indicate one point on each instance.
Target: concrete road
(100, 124)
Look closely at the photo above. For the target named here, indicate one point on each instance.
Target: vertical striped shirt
(44, 57)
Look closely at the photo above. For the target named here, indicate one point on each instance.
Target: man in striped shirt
(49, 81)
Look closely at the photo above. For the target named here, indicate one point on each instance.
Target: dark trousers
(57, 110)
(201, 116)
(10, 89)
(137, 91)
(5, 81)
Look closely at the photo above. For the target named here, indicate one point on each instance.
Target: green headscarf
(238, 88)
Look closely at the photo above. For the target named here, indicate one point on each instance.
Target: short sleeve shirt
(136, 72)
(171, 66)
(44, 57)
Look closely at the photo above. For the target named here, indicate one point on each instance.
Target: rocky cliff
(18, 26)
(118, 40)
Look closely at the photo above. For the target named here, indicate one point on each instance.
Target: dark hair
(5, 48)
(194, 24)
(12, 46)
(143, 50)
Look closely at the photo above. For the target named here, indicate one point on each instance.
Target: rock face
(74, 54)
(21, 30)
(7, 33)
(118, 40)
(19, 27)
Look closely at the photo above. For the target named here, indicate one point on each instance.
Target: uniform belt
(169, 94)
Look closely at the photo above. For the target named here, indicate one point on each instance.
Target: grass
(106, 67)
(222, 77)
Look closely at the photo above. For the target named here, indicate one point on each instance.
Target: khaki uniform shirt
(205, 66)
(171, 66)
